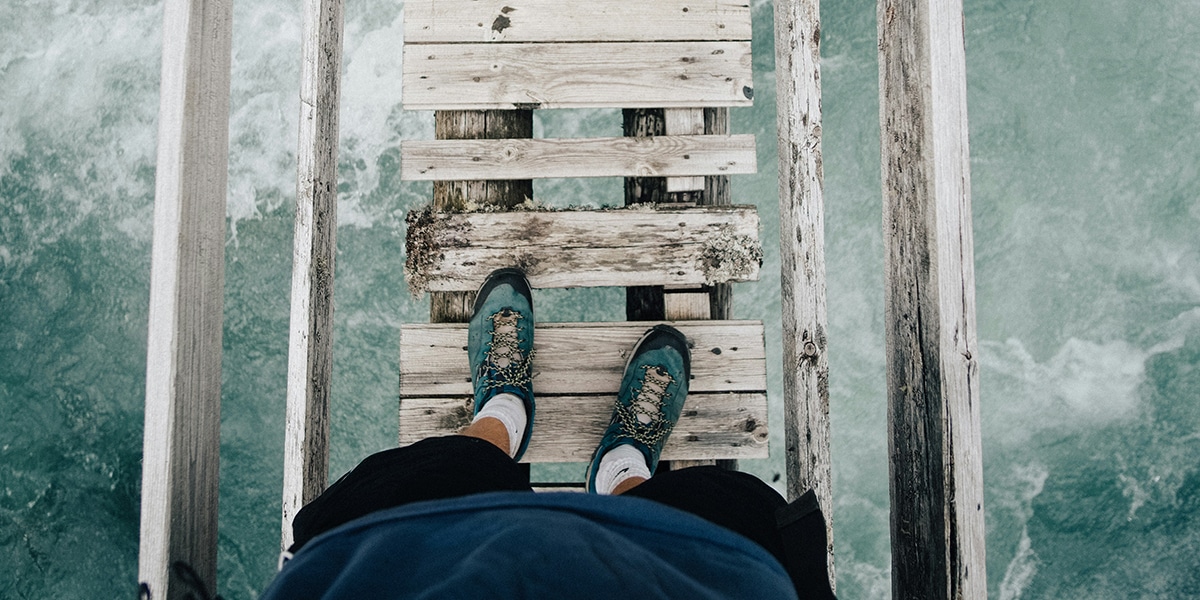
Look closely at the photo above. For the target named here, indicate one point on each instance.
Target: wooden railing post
(310, 345)
(802, 254)
(933, 369)
(181, 446)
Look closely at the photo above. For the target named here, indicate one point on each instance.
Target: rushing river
(1085, 146)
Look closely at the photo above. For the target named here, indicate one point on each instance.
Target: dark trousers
(449, 467)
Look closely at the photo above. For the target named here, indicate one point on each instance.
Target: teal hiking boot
(651, 397)
(500, 343)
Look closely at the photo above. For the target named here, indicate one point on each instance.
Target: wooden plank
(584, 358)
(310, 344)
(581, 75)
(429, 160)
(728, 425)
(684, 121)
(427, 21)
(585, 248)
(181, 443)
(933, 369)
(802, 256)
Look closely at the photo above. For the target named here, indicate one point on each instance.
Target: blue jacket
(522, 545)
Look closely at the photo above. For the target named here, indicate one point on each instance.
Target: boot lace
(643, 419)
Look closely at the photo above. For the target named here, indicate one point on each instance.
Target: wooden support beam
(430, 160)
(687, 121)
(428, 21)
(577, 75)
(802, 254)
(310, 351)
(933, 363)
(583, 248)
(679, 305)
(181, 445)
(584, 358)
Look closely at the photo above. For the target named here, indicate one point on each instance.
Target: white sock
(620, 464)
(509, 410)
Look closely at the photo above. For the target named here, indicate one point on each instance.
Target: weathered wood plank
(584, 358)
(310, 351)
(429, 160)
(187, 277)
(580, 75)
(567, 428)
(933, 369)
(685, 121)
(428, 21)
(802, 255)
(585, 248)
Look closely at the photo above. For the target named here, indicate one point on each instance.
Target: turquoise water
(1085, 118)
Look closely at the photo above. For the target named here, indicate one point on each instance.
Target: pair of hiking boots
(653, 388)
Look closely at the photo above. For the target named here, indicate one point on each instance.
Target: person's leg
(649, 402)
(431, 469)
(500, 350)
(734, 500)
(794, 534)
(480, 459)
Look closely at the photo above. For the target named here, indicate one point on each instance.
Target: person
(454, 517)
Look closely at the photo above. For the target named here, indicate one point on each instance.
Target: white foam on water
(1084, 385)
(371, 94)
(1027, 483)
(78, 84)
(264, 109)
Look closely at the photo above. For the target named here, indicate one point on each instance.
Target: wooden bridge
(674, 67)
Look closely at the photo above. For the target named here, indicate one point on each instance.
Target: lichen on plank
(730, 256)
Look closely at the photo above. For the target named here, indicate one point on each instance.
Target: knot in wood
(810, 349)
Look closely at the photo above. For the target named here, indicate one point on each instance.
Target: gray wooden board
(568, 427)
(181, 433)
(936, 462)
(686, 121)
(577, 75)
(584, 358)
(310, 344)
(585, 248)
(802, 257)
(660, 156)
(428, 21)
